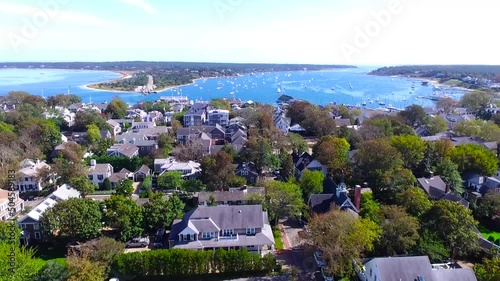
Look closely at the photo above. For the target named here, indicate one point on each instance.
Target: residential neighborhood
(361, 195)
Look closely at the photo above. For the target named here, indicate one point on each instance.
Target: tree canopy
(474, 158)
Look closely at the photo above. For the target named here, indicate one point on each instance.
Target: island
(137, 76)
(464, 76)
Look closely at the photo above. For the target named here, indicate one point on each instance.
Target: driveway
(131, 250)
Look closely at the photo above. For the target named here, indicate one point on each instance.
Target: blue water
(319, 87)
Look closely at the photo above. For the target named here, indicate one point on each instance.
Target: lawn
(44, 253)
(487, 233)
(277, 239)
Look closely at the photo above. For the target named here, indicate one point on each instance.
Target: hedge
(181, 264)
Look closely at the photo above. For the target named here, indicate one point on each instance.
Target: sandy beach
(437, 83)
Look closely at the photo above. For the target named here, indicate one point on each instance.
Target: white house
(218, 116)
(115, 127)
(99, 172)
(27, 176)
(282, 123)
(30, 223)
(189, 169)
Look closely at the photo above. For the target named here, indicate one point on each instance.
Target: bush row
(181, 263)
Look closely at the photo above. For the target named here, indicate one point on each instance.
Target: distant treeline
(491, 72)
(151, 65)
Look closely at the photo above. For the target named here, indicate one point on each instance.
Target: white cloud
(140, 4)
(54, 13)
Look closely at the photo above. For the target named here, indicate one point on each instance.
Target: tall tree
(414, 200)
(218, 171)
(413, 115)
(399, 231)
(376, 157)
(117, 109)
(75, 219)
(437, 151)
(171, 180)
(412, 149)
(297, 143)
(311, 183)
(453, 223)
(450, 175)
(93, 134)
(477, 100)
(486, 130)
(260, 152)
(44, 132)
(489, 206)
(430, 245)
(332, 152)
(474, 158)
(165, 143)
(124, 215)
(159, 212)
(83, 184)
(125, 188)
(287, 167)
(283, 199)
(342, 238)
(370, 209)
(488, 270)
(446, 105)
(436, 124)
(82, 269)
(25, 266)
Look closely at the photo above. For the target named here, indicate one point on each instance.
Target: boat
(279, 90)
(363, 103)
(381, 103)
(425, 83)
(333, 89)
(350, 86)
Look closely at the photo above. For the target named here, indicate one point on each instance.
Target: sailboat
(364, 103)
(350, 86)
(279, 90)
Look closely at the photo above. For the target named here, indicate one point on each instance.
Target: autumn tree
(474, 158)
(332, 152)
(116, 109)
(218, 171)
(399, 231)
(76, 219)
(342, 238)
(189, 151)
(63, 100)
(453, 224)
(446, 105)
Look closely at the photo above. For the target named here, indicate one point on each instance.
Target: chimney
(357, 196)
(92, 162)
(447, 189)
(431, 174)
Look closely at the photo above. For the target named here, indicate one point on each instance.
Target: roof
(404, 268)
(30, 167)
(100, 169)
(127, 149)
(434, 186)
(62, 193)
(458, 274)
(116, 177)
(234, 194)
(197, 109)
(321, 203)
(490, 183)
(455, 198)
(143, 169)
(343, 122)
(230, 217)
(113, 123)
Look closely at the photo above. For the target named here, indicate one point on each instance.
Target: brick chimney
(357, 196)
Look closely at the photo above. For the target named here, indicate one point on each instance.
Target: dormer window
(250, 231)
(228, 232)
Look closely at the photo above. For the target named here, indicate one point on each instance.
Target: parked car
(31, 198)
(137, 242)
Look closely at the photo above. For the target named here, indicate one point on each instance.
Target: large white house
(188, 169)
(28, 176)
(99, 172)
(10, 201)
(30, 223)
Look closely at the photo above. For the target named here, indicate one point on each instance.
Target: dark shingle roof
(435, 186)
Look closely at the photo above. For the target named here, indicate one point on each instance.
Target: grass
(103, 192)
(278, 243)
(487, 233)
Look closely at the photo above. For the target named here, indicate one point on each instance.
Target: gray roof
(100, 169)
(126, 149)
(343, 122)
(206, 225)
(143, 169)
(128, 136)
(435, 186)
(234, 194)
(231, 217)
(459, 274)
(404, 268)
(145, 143)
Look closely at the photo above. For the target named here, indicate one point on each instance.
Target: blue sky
(361, 32)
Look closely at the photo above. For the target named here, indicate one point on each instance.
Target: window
(37, 235)
(36, 226)
(185, 237)
(250, 231)
(100, 177)
(91, 177)
(370, 272)
(244, 172)
(25, 179)
(23, 225)
(228, 232)
(207, 235)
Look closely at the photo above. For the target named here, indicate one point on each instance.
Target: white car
(318, 257)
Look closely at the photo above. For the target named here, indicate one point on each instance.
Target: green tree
(82, 269)
(332, 152)
(159, 212)
(171, 180)
(41, 132)
(124, 215)
(489, 206)
(436, 152)
(117, 109)
(93, 134)
(195, 185)
(414, 200)
(52, 271)
(83, 184)
(125, 188)
(413, 115)
(297, 143)
(4, 127)
(287, 168)
(63, 100)
(412, 149)
(342, 237)
(102, 250)
(311, 183)
(474, 158)
(85, 118)
(75, 219)
(453, 223)
(437, 124)
(488, 270)
(106, 184)
(370, 208)
(10, 232)
(165, 143)
(375, 158)
(399, 231)
(486, 130)
(220, 104)
(430, 245)
(25, 266)
(477, 100)
(450, 175)
(283, 199)
(260, 152)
